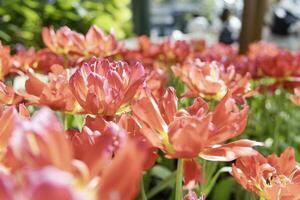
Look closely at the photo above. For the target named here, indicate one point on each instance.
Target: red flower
(222, 53)
(99, 136)
(78, 47)
(40, 61)
(45, 60)
(192, 132)
(64, 41)
(156, 81)
(104, 87)
(296, 97)
(36, 152)
(100, 45)
(8, 95)
(114, 182)
(55, 94)
(271, 177)
(274, 61)
(5, 61)
(134, 131)
(211, 79)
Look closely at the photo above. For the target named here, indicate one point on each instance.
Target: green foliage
(21, 21)
(274, 120)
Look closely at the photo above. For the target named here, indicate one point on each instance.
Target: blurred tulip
(100, 45)
(271, 177)
(296, 97)
(8, 95)
(5, 61)
(211, 80)
(37, 142)
(114, 181)
(76, 47)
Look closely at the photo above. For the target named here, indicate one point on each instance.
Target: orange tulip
(38, 142)
(64, 41)
(192, 132)
(221, 53)
(55, 94)
(35, 151)
(272, 177)
(100, 45)
(99, 136)
(156, 81)
(296, 97)
(105, 88)
(78, 47)
(158, 55)
(97, 144)
(274, 61)
(211, 80)
(114, 181)
(134, 131)
(8, 95)
(5, 61)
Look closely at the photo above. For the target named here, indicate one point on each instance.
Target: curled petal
(230, 151)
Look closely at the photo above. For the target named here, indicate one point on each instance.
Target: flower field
(86, 118)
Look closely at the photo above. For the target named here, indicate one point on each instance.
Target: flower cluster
(125, 111)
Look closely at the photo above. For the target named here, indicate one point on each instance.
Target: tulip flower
(8, 96)
(134, 131)
(105, 88)
(273, 61)
(296, 97)
(100, 45)
(158, 55)
(5, 61)
(192, 132)
(24, 59)
(221, 53)
(36, 150)
(156, 81)
(77, 47)
(55, 94)
(64, 41)
(211, 80)
(269, 177)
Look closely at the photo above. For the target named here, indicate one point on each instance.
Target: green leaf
(167, 182)
(223, 189)
(160, 171)
(208, 187)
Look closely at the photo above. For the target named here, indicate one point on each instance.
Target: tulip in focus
(106, 87)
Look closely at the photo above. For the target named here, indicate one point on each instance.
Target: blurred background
(228, 21)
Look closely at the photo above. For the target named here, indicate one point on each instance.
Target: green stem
(276, 135)
(162, 185)
(66, 61)
(143, 193)
(179, 174)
